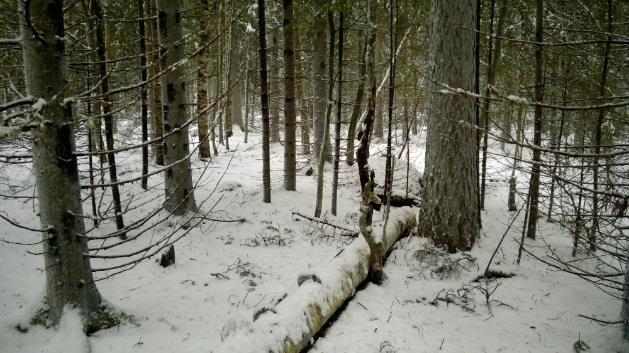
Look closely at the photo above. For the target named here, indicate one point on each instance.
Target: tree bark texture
(290, 121)
(337, 122)
(68, 274)
(178, 177)
(449, 213)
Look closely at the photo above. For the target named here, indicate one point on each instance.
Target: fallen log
(293, 323)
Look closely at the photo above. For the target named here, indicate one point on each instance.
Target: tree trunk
(328, 113)
(290, 121)
(107, 103)
(144, 93)
(202, 82)
(274, 87)
(69, 278)
(625, 301)
(264, 102)
(337, 124)
(319, 94)
(178, 177)
(537, 125)
(353, 120)
(598, 132)
(450, 197)
(157, 118)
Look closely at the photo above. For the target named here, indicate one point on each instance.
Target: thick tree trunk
(290, 121)
(291, 325)
(178, 177)
(450, 210)
(537, 125)
(264, 102)
(68, 274)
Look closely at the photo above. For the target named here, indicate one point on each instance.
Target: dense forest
(323, 176)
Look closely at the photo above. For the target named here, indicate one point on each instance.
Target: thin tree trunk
(337, 125)
(388, 175)
(178, 177)
(144, 93)
(264, 102)
(69, 278)
(202, 82)
(353, 120)
(157, 121)
(101, 67)
(319, 80)
(598, 132)
(557, 147)
(328, 113)
(537, 134)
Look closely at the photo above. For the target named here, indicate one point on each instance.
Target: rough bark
(68, 274)
(290, 121)
(295, 321)
(625, 302)
(178, 177)
(449, 213)
(264, 102)
(274, 87)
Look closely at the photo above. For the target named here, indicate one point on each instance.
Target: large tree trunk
(178, 176)
(144, 93)
(274, 87)
(291, 325)
(449, 212)
(68, 274)
(290, 121)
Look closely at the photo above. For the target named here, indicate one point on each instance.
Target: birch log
(294, 322)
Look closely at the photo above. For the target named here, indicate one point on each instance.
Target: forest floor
(225, 271)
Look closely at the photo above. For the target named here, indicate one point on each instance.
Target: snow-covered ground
(225, 271)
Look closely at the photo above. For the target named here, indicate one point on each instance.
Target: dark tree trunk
(264, 102)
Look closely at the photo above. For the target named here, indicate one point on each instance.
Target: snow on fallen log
(291, 324)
